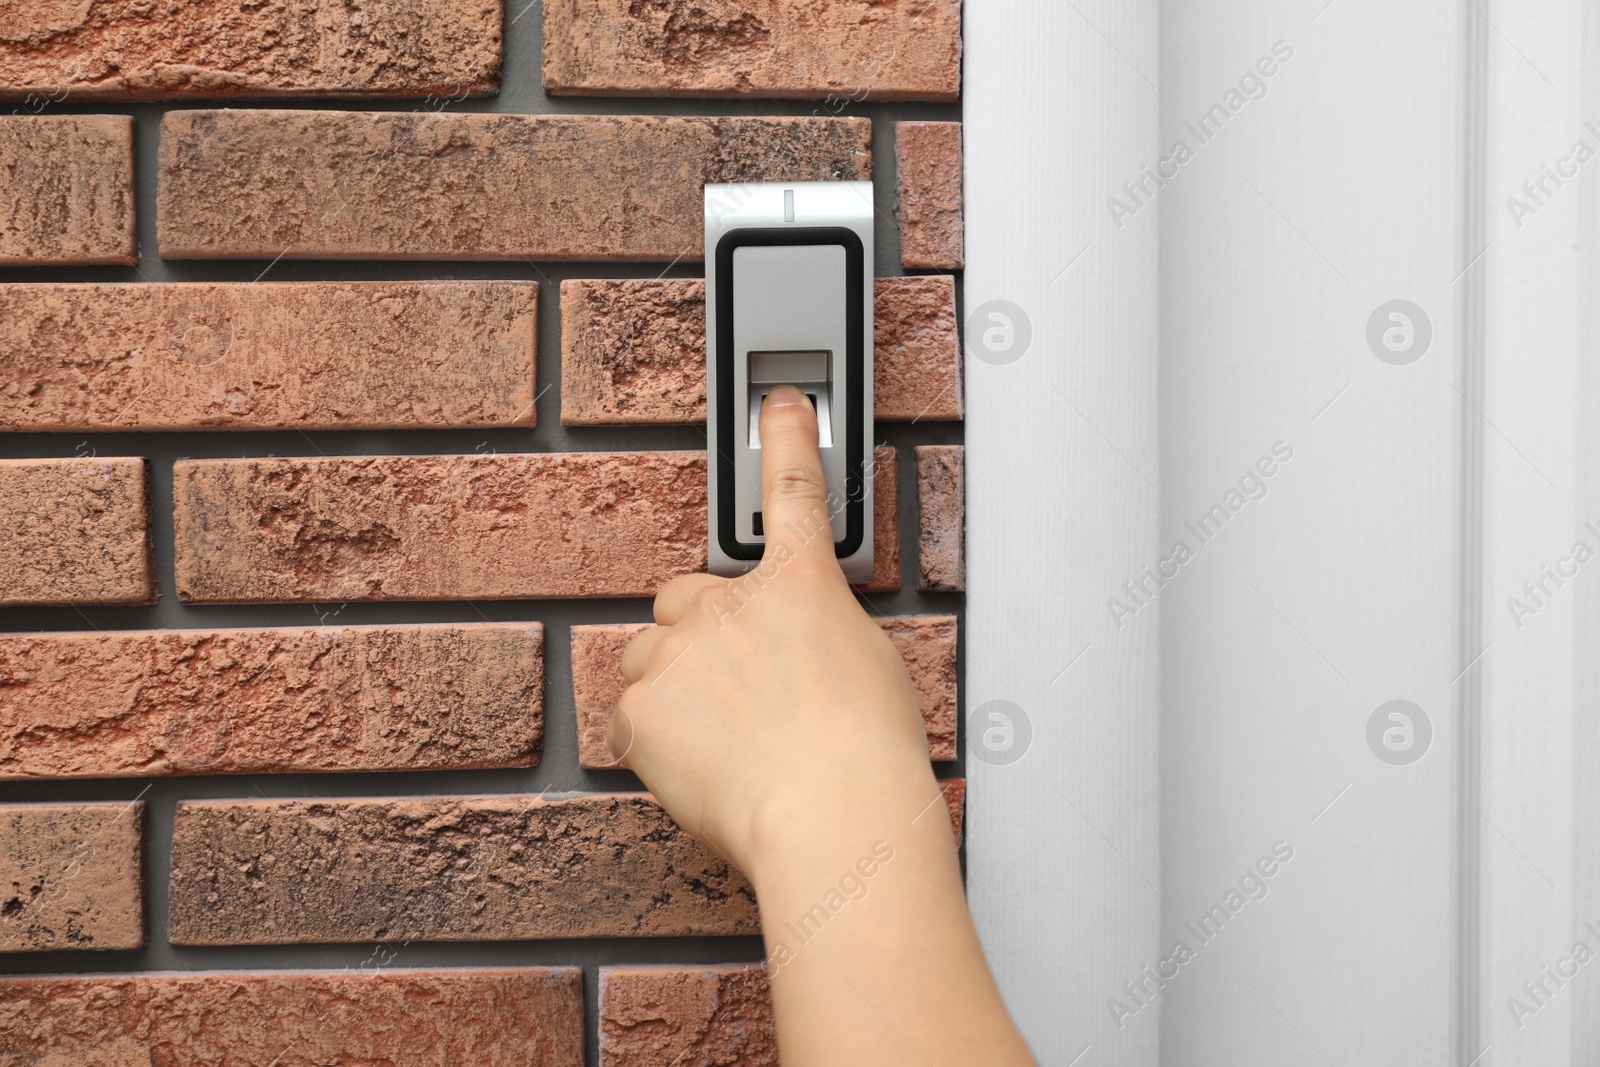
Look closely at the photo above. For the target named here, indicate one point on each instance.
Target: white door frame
(1534, 851)
(1062, 857)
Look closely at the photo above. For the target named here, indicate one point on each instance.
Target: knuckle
(797, 482)
(633, 702)
(704, 601)
(675, 586)
(663, 654)
(641, 651)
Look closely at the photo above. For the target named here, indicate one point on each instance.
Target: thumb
(794, 491)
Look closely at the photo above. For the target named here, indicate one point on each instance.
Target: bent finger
(674, 599)
(619, 736)
(794, 491)
(637, 656)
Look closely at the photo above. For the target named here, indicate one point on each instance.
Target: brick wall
(351, 374)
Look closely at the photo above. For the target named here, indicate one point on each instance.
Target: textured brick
(363, 698)
(529, 1017)
(885, 522)
(929, 158)
(67, 197)
(397, 185)
(211, 49)
(633, 351)
(597, 685)
(926, 642)
(71, 877)
(941, 518)
(693, 1016)
(492, 868)
(445, 869)
(917, 373)
(578, 524)
(75, 531)
(885, 50)
(928, 645)
(438, 527)
(312, 356)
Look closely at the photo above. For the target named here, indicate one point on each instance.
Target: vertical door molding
(1585, 752)
(1311, 296)
(1534, 819)
(1061, 310)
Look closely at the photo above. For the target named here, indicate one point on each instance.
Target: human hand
(771, 706)
(776, 722)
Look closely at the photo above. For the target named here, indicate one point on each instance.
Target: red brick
(489, 868)
(360, 698)
(445, 869)
(633, 351)
(885, 522)
(928, 155)
(799, 49)
(398, 185)
(656, 1015)
(437, 527)
(237, 356)
(67, 197)
(926, 642)
(928, 645)
(71, 877)
(597, 685)
(214, 49)
(524, 1017)
(579, 524)
(941, 518)
(75, 531)
(917, 374)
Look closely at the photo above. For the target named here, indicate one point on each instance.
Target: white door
(1281, 499)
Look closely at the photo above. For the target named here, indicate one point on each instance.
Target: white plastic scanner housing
(789, 301)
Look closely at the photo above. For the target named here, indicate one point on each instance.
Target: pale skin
(777, 723)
